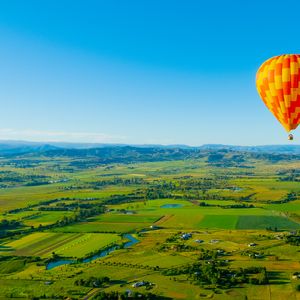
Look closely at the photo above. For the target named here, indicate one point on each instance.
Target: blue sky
(168, 72)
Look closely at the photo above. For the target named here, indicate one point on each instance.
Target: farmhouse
(186, 236)
(153, 227)
(142, 283)
(296, 275)
(279, 237)
(199, 241)
(214, 241)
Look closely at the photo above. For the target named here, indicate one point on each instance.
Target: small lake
(171, 206)
(132, 241)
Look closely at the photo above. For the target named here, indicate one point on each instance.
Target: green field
(12, 266)
(102, 227)
(225, 207)
(217, 221)
(247, 222)
(121, 218)
(45, 218)
(262, 222)
(64, 244)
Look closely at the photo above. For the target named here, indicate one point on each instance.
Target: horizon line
(134, 144)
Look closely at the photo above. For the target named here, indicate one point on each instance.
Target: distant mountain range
(288, 149)
(23, 147)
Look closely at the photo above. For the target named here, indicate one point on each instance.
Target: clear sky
(157, 71)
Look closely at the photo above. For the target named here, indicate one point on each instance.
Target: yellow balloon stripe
(278, 84)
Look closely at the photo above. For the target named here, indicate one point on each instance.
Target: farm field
(102, 227)
(45, 218)
(43, 244)
(163, 222)
(121, 218)
(262, 222)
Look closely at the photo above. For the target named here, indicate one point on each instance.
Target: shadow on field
(113, 282)
(5, 248)
(276, 277)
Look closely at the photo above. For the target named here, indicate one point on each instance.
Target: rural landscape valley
(149, 150)
(133, 222)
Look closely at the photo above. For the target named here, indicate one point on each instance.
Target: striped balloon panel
(278, 84)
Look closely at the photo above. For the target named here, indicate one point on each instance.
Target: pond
(132, 241)
(171, 206)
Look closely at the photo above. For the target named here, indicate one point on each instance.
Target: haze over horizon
(141, 72)
(85, 145)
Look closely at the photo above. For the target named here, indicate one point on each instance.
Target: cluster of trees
(178, 247)
(92, 281)
(46, 203)
(30, 206)
(176, 243)
(270, 228)
(137, 266)
(223, 159)
(128, 295)
(215, 273)
(121, 198)
(291, 196)
(193, 189)
(253, 254)
(99, 184)
(62, 206)
(209, 270)
(180, 192)
(117, 181)
(173, 238)
(206, 254)
(11, 179)
(176, 189)
(9, 224)
(20, 163)
(293, 239)
(289, 175)
(237, 205)
(22, 259)
(274, 157)
(261, 275)
(80, 215)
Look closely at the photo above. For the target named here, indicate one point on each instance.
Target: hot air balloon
(278, 84)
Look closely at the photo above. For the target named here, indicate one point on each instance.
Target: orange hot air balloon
(278, 84)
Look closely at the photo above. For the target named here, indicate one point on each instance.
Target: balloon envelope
(278, 84)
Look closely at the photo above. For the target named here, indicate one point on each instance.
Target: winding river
(132, 241)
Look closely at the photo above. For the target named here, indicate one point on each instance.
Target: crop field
(45, 218)
(102, 227)
(262, 222)
(217, 221)
(286, 207)
(194, 217)
(163, 222)
(247, 222)
(65, 244)
(87, 243)
(121, 218)
(19, 216)
(12, 266)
